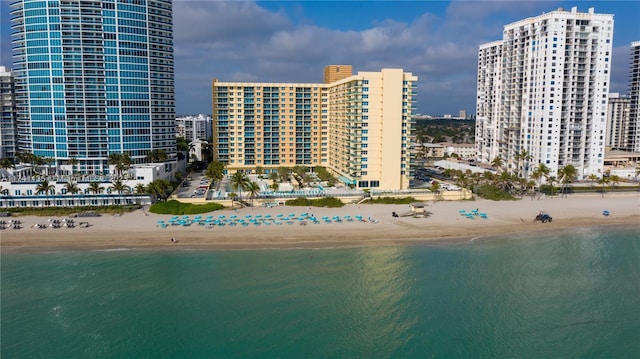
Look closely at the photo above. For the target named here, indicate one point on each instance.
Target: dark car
(543, 217)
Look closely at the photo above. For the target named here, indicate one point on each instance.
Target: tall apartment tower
(618, 124)
(194, 127)
(333, 73)
(634, 96)
(358, 127)
(7, 115)
(94, 77)
(542, 90)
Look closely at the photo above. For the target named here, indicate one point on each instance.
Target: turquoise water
(573, 294)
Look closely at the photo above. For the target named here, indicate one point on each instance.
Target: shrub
(494, 193)
(64, 211)
(330, 202)
(177, 208)
(393, 200)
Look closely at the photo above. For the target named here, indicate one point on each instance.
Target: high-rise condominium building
(333, 73)
(94, 77)
(358, 127)
(7, 115)
(617, 135)
(542, 92)
(194, 127)
(634, 96)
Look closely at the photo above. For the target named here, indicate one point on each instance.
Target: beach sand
(137, 230)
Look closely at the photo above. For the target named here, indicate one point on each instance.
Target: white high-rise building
(542, 91)
(634, 96)
(194, 127)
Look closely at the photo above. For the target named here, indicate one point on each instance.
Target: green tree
(181, 144)
(233, 197)
(259, 170)
(283, 173)
(45, 187)
(604, 180)
(95, 187)
(615, 179)
(157, 156)
(497, 163)
(72, 187)
(6, 163)
(120, 162)
(567, 175)
(215, 171)
(140, 189)
(592, 178)
(239, 182)
(119, 187)
(523, 157)
(552, 180)
(160, 189)
(253, 190)
(541, 171)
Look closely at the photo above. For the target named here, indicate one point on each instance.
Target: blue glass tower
(94, 77)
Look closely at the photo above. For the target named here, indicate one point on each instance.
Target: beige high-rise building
(333, 73)
(358, 127)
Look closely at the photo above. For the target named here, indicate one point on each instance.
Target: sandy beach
(445, 223)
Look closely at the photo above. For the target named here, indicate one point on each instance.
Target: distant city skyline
(292, 42)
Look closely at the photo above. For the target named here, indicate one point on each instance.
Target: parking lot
(194, 186)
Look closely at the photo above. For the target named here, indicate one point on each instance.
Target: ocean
(567, 294)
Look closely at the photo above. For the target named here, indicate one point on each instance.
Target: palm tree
(156, 156)
(604, 180)
(274, 186)
(119, 187)
(552, 180)
(120, 162)
(614, 179)
(233, 196)
(159, 188)
(593, 178)
(140, 189)
(283, 173)
(6, 163)
(95, 187)
(72, 187)
(567, 175)
(239, 182)
(523, 156)
(541, 171)
(45, 187)
(497, 163)
(254, 190)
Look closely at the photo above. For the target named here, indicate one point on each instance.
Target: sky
(292, 41)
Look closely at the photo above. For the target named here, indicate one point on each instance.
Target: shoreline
(299, 245)
(444, 225)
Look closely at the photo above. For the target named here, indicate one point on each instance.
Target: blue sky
(292, 41)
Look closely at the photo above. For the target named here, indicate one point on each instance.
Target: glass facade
(94, 77)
